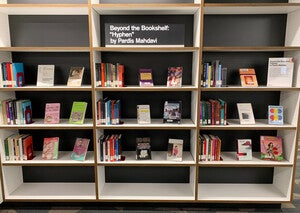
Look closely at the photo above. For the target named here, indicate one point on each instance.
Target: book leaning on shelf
(108, 112)
(15, 111)
(50, 148)
(45, 76)
(175, 149)
(80, 149)
(75, 76)
(109, 75)
(18, 147)
(52, 113)
(271, 148)
(248, 77)
(145, 77)
(12, 74)
(174, 77)
(78, 112)
(143, 114)
(244, 149)
(110, 148)
(172, 112)
(280, 72)
(210, 148)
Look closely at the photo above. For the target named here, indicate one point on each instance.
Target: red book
(27, 147)
(103, 74)
(121, 70)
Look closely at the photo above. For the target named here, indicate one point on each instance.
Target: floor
(155, 208)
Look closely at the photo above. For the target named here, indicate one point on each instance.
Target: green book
(78, 112)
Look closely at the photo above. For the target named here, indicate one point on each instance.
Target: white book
(175, 149)
(246, 115)
(45, 76)
(280, 72)
(143, 114)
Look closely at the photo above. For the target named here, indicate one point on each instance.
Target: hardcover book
(50, 148)
(271, 148)
(248, 77)
(245, 112)
(275, 115)
(174, 77)
(175, 147)
(80, 149)
(244, 149)
(172, 112)
(45, 76)
(75, 76)
(145, 77)
(78, 112)
(280, 72)
(52, 113)
(18, 74)
(143, 114)
(27, 148)
(143, 149)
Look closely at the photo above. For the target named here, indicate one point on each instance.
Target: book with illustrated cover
(145, 77)
(245, 112)
(45, 76)
(143, 114)
(174, 77)
(280, 72)
(143, 149)
(18, 74)
(244, 149)
(271, 148)
(50, 148)
(275, 115)
(75, 76)
(52, 113)
(78, 112)
(248, 77)
(80, 149)
(172, 112)
(175, 149)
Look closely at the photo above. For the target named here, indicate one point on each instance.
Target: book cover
(145, 77)
(75, 76)
(27, 112)
(50, 148)
(244, 149)
(175, 149)
(45, 76)
(172, 112)
(78, 112)
(248, 77)
(143, 114)
(275, 115)
(52, 113)
(143, 149)
(18, 74)
(27, 148)
(280, 72)
(80, 149)
(174, 77)
(245, 112)
(271, 148)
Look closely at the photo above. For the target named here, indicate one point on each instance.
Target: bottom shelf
(53, 191)
(147, 191)
(241, 192)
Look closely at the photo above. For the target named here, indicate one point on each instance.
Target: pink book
(50, 148)
(52, 113)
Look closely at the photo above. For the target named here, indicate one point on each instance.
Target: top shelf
(250, 8)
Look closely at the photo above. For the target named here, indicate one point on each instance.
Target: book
(80, 149)
(280, 72)
(175, 147)
(275, 115)
(78, 112)
(145, 77)
(172, 112)
(244, 149)
(245, 112)
(45, 75)
(52, 113)
(174, 77)
(143, 148)
(248, 77)
(75, 76)
(50, 148)
(18, 74)
(143, 114)
(271, 148)
(27, 148)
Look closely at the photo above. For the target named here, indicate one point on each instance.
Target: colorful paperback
(275, 115)
(175, 147)
(143, 149)
(75, 76)
(244, 149)
(248, 77)
(172, 112)
(78, 112)
(50, 148)
(174, 77)
(145, 77)
(271, 148)
(80, 149)
(52, 113)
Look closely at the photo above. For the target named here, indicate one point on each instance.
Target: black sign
(122, 34)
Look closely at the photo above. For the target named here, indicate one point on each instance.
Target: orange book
(248, 77)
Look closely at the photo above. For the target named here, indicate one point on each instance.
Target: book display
(182, 58)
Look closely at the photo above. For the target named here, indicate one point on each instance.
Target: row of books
(13, 111)
(210, 148)
(213, 74)
(110, 147)
(108, 111)
(109, 75)
(213, 112)
(18, 147)
(12, 74)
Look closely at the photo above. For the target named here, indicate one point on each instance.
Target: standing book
(280, 72)
(78, 112)
(248, 77)
(45, 76)
(52, 113)
(172, 112)
(75, 76)
(275, 115)
(50, 148)
(174, 77)
(145, 77)
(175, 147)
(271, 148)
(80, 149)
(245, 112)
(143, 114)
(244, 149)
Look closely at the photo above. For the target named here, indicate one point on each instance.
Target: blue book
(18, 74)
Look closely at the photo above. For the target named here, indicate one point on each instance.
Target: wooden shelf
(248, 89)
(54, 88)
(250, 48)
(146, 49)
(45, 49)
(147, 89)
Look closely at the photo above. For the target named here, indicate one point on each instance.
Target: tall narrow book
(80, 149)
(78, 112)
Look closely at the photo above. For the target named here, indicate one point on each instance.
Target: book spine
(121, 70)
